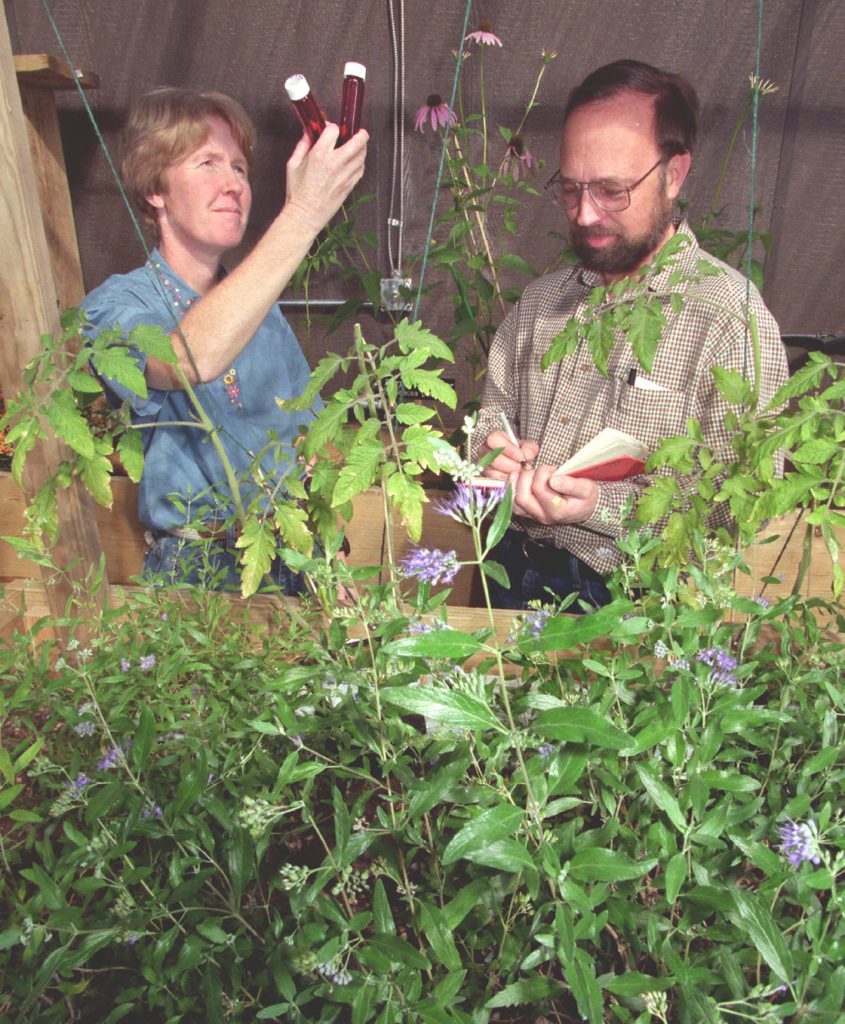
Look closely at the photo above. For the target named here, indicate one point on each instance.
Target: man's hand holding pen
(539, 493)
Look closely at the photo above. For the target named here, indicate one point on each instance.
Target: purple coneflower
(517, 156)
(435, 110)
(470, 504)
(800, 842)
(432, 565)
(484, 35)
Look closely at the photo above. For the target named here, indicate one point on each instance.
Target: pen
(632, 377)
(508, 429)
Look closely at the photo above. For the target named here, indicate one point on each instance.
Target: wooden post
(40, 76)
(29, 308)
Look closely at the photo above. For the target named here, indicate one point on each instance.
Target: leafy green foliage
(204, 823)
(383, 438)
(63, 399)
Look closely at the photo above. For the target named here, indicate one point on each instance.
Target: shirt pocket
(652, 416)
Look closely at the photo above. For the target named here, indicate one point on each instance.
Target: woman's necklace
(183, 303)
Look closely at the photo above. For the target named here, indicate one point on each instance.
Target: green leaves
(600, 865)
(449, 708)
(662, 796)
(581, 725)
(752, 914)
(484, 840)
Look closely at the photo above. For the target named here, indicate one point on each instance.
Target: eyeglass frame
(588, 185)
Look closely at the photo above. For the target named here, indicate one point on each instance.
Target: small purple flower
(125, 664)
(79, 783)
(800, 842)
(435, 110)
(722, 664)
(535, 621)
(131, 939)
(547, 751)
(680, 664)
(148, 662)
(153, 811)
(484, 35)
(113, 757)
(427, 627)
(469, 504)
(764, 602)
(164, 616)
(432, 565)
(85, 728)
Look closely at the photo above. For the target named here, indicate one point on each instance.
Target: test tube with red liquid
(352, 102)
(307, 110)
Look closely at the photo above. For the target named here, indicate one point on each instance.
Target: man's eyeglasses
(607, 195)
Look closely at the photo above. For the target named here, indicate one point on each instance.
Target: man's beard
(624, 254)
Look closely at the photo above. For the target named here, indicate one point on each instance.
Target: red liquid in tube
(353, 99)
(309, 114)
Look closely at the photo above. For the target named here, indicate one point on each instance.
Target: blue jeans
(549, 569)
(209, 564)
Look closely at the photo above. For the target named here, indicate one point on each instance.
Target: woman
(185, 161)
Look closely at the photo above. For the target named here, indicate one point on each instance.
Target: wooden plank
(45, 71)
(28, 309)
(39, 106)
(24, 604)
(777, 551)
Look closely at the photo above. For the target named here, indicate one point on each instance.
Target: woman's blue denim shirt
(183, 476)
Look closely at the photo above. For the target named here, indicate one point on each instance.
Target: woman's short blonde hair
(167, 124)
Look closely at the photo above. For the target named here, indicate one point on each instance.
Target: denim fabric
(210, 565)
(530, 583)
(183, 476)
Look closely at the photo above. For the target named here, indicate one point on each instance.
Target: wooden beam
(47, 72)
(39, 76)
(28, 309)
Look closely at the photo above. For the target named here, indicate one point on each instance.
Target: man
(629, 131)
(186, 159)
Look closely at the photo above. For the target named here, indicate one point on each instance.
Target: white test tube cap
(355, 70)
(297, 87)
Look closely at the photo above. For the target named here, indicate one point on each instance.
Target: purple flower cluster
(148, 662)
(432, 565)
(85, 728)
(469, 504)
(722, 663)
(800, 842)
(78, 784)
(535, 621)
(113, 757)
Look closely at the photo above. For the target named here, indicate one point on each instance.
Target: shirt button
(586, 366)
(565, 421)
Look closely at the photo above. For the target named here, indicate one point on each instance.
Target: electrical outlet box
(392, 299)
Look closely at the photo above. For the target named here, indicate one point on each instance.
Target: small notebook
(611, 455)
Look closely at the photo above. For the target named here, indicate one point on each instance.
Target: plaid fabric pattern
(571, 402)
